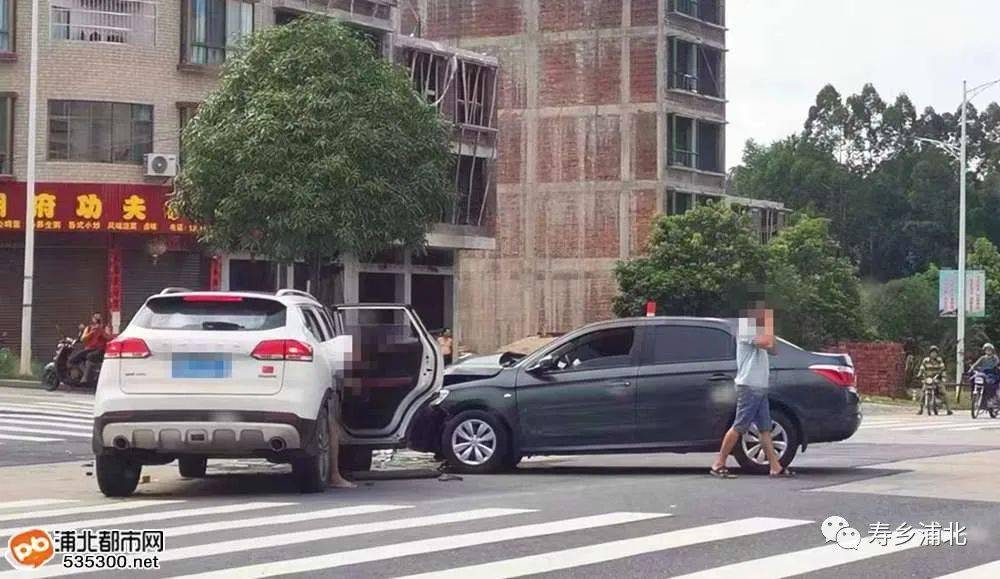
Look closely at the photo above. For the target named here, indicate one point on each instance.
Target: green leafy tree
(815, 291)
(705, 262)
(984, 255)
(906, 310)
(311, 147)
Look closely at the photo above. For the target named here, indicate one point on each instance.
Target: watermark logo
(30, 549)
(831, 526)
(848, 538)
(837, 530)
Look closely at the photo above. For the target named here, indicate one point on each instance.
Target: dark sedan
(632, 385)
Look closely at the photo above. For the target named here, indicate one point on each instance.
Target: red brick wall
(585, 72)
(642, 69)
(473, 18)
(880, 366)
(644, 12)
(563, 15)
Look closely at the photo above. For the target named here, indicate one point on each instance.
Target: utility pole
(961, 153)
(960, 339)
(29, 207)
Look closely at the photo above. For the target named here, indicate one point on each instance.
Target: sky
(782, 52)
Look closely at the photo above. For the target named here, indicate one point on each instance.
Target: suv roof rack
(174, 290)
(294, 292)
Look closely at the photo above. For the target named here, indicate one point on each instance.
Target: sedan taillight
(127, 348)
(291, 350)
(839, 375)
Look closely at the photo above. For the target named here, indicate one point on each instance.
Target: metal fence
(111, 21)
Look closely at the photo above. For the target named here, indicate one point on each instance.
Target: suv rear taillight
(127, 348)
(839, 375)
(291, 350)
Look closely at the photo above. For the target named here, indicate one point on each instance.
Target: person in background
(94, 338)
(989, 364)
(933, 367)
(446, 343)
(754, 340)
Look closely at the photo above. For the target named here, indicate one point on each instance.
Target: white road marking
(66, 406)
(76, 434)
(807, 560)
(929, 427)
(614, 550)
(978, 427)
(35, 503)
(29, 438)
(280, 519)
(987, 571)
(37, 410)
(36, 416)
(436, 544)
(158, 516)
(34, 516)
(43, 423)
(277, 540)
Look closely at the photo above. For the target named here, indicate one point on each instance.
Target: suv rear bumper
(215, 433)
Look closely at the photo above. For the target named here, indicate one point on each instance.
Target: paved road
(38, 427)
(618, 516)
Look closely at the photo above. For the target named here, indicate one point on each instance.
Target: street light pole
(29, 208)
(960, 314)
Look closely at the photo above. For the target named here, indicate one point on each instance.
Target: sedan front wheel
(476, 442)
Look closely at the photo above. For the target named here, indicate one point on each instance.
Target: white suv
(200, 375)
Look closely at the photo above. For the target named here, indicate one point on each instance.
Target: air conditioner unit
(159, 165)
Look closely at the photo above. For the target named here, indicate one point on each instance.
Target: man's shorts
(752, 407)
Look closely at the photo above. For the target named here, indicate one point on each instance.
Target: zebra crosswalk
(45, 418)
(207, 538)
(913, 423)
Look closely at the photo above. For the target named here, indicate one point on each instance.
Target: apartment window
(707, 10)
(113, 21)
(6, 25)
(472, 83)
(695, 144)
(695, 67)
(6, 135)
(213, 27)
(100, 132)
(682, 145)
(679, 203)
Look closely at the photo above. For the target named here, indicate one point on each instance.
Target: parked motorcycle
(81, 374)
(981, 382)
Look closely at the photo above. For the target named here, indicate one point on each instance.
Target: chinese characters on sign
(82, 207)
(975, 293)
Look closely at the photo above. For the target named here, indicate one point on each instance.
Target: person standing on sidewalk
(446, 343)
(754, 340)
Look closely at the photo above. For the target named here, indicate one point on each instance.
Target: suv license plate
(201, 366)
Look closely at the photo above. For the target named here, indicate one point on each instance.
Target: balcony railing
(707, 10)
(684, 158)
(684, 81)
(112, 21)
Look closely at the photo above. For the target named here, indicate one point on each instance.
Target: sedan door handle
(621, 384)
(720, 378)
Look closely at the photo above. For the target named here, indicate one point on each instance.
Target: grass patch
(10, 366)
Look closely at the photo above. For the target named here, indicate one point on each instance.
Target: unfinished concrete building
(609, 112)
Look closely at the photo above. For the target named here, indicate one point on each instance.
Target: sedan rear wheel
(749, 452)
(476, 442)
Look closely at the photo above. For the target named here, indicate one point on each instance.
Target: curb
(26, 384)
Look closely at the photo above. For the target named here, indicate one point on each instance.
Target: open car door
(396, 367)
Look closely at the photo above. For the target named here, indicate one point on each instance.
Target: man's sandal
(721, 472)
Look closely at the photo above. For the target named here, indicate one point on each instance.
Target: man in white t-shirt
(754, 340)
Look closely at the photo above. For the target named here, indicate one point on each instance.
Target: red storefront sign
(89, 207)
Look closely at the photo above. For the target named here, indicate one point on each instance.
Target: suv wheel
(749, 451)
(476, 442)
(312, 472)
(192, 466)
(116, 475)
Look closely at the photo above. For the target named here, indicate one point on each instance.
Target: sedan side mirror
(545, 364)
